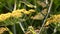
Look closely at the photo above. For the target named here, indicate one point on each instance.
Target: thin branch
(55, 29)
(14, 27)
(46, 1)
(46, 16)
(21, 27)
(15, 5)
(8, 30)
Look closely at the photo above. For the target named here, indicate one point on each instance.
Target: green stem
(14, 29)
(21, 27)
(9, 31)
(46, 16)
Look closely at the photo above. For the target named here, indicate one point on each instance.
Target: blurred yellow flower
(2, 29)
(31, 10)
(31, 29)
(22, 10)
(53, 19)
(16, 14)
(27, 12)
(4, 16)
(19, 10)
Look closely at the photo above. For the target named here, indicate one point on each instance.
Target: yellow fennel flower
(2, 29)
(1, 19)
(31, 29)
(4, 16)
(8, 15)
(16, 14)
(31, 10)
(22, 10)
(27, 12)
(53, 19)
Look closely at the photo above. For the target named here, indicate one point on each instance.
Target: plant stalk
(46, 16)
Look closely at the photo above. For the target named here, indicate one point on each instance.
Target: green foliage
(57, 2)
(34, 19)
(55, 7)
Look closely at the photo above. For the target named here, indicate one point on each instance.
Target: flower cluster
(31, 29)
(15, 14)
(2, 29)
(53, 19)
(4, 16)
(19, 12)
